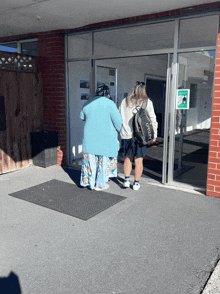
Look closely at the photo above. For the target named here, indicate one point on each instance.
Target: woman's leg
(138, 168)
(88, 171)
(102, 171)
(128, 166)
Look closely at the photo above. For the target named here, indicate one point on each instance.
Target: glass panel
(79, 91)
(30, 48)
(108, 76)
(199, 32)
(79, 46)
(196, 73)
(9, 47)
(133, 39)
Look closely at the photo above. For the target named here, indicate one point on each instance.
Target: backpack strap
(144, 104)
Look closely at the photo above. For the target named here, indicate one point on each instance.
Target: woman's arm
(153, 117)
(116, 117)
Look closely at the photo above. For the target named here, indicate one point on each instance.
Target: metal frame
(67, 110)
(166, 121)
(172, 80)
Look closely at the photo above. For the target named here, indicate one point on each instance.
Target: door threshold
(176, 186)
(187, 187)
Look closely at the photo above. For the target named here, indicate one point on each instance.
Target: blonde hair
(137, 95)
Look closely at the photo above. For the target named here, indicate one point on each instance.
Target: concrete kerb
(213, 284)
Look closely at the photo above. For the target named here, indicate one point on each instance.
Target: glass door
(121, 74)
(79, 90)
(193, 121)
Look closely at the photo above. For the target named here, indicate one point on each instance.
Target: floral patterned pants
(96, 170)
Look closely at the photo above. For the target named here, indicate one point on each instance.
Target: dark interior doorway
(156, 91)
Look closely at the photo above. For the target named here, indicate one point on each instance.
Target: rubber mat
(68, 198)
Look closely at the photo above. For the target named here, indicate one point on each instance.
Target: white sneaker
(126, 184)
(136, 187)
(101, 189)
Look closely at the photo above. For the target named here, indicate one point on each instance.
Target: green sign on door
(182, 100)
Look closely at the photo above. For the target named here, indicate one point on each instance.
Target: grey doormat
(68, 198)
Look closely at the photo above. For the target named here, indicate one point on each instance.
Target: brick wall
(213, 181)
(51, 48)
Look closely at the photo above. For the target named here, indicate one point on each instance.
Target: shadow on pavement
(10, 284)
(74, 175)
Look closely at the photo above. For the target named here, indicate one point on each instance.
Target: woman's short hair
(103, 90)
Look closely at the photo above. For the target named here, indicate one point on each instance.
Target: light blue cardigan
(102, 122)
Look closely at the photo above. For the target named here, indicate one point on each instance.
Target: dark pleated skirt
(129, 150)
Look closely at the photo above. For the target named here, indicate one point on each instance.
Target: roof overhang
(19, 17)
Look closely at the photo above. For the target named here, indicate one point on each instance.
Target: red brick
(217, 67)
(211, 177)
(210, 188)
(216, 87)
(215, 125)
(217, 189)
(213, 148)
(216, 107)
(212, 154)
(215, 119)
(218, 178)
(217, 94)
(61, 125)
(212, 182)
(216, 113)
(216, 100)
(212, 165)
(214, 194)
(214, 135)
(214, 171)
(214, 143)
(217, 81)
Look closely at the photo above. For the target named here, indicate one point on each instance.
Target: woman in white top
(135, 99)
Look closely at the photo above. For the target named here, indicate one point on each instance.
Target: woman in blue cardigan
(100, 140)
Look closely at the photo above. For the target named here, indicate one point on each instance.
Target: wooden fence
(22, 107)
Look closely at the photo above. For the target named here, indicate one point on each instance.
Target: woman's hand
(152, 143)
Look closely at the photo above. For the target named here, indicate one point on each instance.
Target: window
(134, 39)
(26, 47)
(199, 32)
(9, 47)
(29, 48)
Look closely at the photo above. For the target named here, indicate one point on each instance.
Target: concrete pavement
(158, 240)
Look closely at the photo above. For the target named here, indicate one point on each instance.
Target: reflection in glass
(78, 92)
(30, 48)
(79, 45)
(9, 47)
(199, 32)
(132, 39)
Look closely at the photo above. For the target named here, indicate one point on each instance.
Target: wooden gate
(22, 107)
